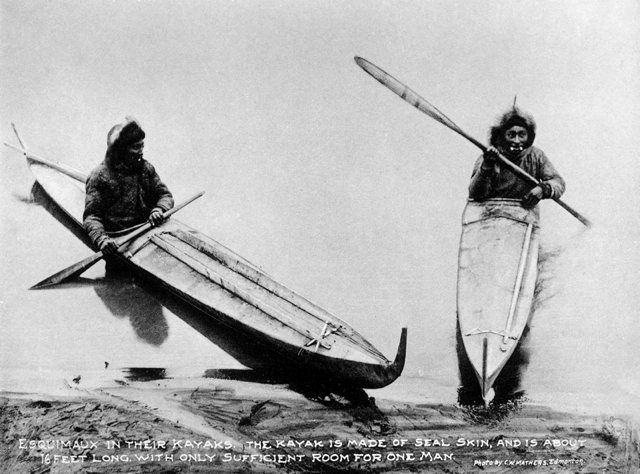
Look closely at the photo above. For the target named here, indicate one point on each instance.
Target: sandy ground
(229, 423)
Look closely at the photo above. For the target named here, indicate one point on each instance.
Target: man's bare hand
(156, 217)
(490, 158)
(533, 197)
(108, 246)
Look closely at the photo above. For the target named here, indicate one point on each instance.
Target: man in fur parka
(124, 190)
(513, 136)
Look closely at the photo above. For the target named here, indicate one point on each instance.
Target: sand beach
(237, 421)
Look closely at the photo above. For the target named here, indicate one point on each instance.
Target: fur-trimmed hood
(514, 116)
(121, 136)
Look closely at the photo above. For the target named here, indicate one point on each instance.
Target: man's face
(133, 154)
(515, 137)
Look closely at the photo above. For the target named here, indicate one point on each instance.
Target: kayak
(497, 272)
(288, 332)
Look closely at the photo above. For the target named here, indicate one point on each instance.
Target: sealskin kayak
(497, 272)
(283, 330)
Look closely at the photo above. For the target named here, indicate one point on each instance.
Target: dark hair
(507, 120)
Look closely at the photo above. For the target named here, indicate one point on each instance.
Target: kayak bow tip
(488, 397)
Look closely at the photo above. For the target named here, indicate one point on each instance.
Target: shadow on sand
(262, 369)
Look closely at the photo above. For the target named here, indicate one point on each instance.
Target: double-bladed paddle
(77, 268)
(432, 111)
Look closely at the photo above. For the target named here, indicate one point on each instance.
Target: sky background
(324, 178)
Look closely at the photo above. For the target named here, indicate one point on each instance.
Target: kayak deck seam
(216, 278)
(264, 281)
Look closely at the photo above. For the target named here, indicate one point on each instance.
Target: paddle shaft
(524, 175)
(83, 265)
(426, 107)
(51, 164)
(145, 227)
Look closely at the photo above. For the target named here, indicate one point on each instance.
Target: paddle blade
(69, 272)
(405, 92)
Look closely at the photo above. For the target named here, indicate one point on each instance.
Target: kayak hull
(497, 273)
(280, 330)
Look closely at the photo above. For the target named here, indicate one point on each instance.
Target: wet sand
(233, 421)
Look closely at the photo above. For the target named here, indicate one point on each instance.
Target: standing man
(124, 190)
(513, 137)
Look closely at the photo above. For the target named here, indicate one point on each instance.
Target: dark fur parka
(500, 182)
(117, 196)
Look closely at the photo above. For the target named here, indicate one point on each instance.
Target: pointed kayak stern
(401, 354)
(381, 375)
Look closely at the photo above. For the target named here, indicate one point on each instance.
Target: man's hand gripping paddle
(78, 268)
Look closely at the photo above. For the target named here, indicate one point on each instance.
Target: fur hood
(514, 116)
(121, 136)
